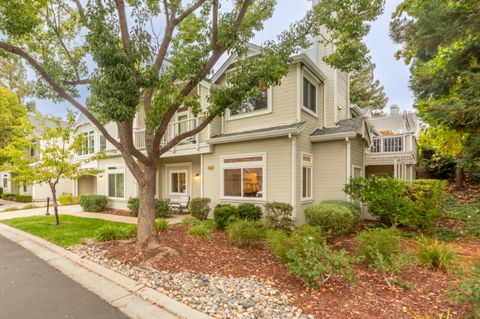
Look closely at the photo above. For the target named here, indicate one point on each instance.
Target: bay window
(243, 176)
(309, 95)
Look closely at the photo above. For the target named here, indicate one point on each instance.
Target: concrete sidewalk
(76, 210)
(132, 298)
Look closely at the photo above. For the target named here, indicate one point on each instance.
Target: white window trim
(310, 77)
(258, 164)
(309, 165)
(118, 170)
(268, 110)
(170, 182)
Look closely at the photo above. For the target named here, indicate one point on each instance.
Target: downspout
(349, 162)
(201, 175)
(294, 173)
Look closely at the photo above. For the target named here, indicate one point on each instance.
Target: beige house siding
(342, 95)
(357, 153)
(330, 83)
(284, 107)
(278, 168)
(329, 171)
(41, 192)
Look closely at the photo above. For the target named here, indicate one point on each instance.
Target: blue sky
(393, 74)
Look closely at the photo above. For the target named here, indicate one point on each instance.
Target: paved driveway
(31, 289)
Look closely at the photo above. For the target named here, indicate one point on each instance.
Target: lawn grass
(72, 230)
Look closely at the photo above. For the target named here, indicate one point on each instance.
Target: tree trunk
(459, 177)
(146, 232)
(55, 206)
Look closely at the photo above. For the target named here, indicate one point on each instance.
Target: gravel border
(217, 296)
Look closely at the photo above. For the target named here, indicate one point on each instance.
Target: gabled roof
(254, 50)
(267, 132)
(82, 120)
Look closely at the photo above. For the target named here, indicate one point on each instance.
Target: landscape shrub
(352, 207)
(1, 192)
(317, 263)
(202, 230)
(200, 207)
(190, 221)
(395, 201)
(279, 242)
(8, 196)
(223, 214)
(436, 255)
(378, 243)
(23, 198)
(162, 208)
(161, 224)
(436, 165)
(115, 232)
(249, 211)
(68, 199)
(469, 290)
(133, 205)
(333, 219)
(93, 203)
(245, 233)
(279, 215)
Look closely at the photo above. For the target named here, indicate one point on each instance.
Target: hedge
(93, 203)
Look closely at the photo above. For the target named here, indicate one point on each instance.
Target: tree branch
(81, 11)
(59, 90)
(76, 82)
(214, 41)
(188, 11)
(182, 136)
(122, 20)
(126, 138)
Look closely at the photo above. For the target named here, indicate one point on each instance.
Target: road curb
(133, 299)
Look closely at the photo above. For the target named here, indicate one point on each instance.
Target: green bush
(279, 215)
(333, 219)
(469, 291)
(162, 207)
(161, 224)
(223, 214)
(1, 192)
(436, 255)
(113, 232)
(200, 207)
(133, 205)
(190, 221)
(437, 166)
(245, 233)
(317, 263)
(279, 242)
(202, 230)
(378, 243)
(93, 203)
(395, 201)
(23, 198)
(9, 196)
(352, 207)
(68, 199)
(249, 211)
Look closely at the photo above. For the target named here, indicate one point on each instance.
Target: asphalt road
(31, 289)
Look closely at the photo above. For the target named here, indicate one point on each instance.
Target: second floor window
(309, 95)
(103, 143)
(88, 143)
(182, 122)
(251, 104)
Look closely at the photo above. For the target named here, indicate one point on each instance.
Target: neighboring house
(299, 142)
(39, 192)
(394, 147)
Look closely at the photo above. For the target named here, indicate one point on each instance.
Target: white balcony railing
(388, 144)
(174, 129)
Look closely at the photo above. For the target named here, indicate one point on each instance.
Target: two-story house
(298, 142)
(39, 192)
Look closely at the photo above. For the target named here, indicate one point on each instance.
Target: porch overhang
(390, 159)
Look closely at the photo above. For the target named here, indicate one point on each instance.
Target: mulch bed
(369, 297)
(118, 212)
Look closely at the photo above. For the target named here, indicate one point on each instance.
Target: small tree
(13, 117)
(55, 160)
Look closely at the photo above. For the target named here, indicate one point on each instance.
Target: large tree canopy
(13, 76)
(365, 90)
(13, 117)
(151, 54)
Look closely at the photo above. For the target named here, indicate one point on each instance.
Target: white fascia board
(332, 137)
(254, 136)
